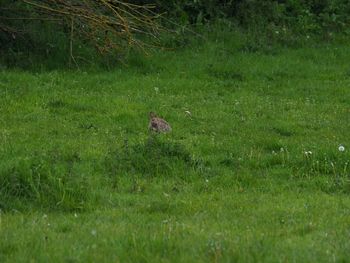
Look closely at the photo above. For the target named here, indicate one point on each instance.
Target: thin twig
(71, 44)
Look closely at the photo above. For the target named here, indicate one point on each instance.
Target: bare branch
(108, 24)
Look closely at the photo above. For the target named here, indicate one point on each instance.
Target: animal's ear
(152, 114)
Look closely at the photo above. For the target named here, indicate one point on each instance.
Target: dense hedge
(299, 15)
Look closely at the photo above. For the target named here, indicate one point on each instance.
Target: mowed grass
(252, 174)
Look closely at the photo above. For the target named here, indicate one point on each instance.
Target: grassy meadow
(253, 171)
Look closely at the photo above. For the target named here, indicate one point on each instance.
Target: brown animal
(157, 124)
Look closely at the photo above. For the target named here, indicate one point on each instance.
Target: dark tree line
(297, 14)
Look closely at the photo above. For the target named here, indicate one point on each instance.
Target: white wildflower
(93, 232)
(156, 89)
(341, 148)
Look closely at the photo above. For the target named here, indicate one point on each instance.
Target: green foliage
(299, 16)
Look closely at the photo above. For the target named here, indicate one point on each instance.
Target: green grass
(82, 180)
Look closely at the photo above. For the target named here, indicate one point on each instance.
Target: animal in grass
(157, 124)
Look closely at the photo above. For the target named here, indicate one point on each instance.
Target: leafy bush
(300, 16)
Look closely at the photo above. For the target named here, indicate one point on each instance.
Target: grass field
(256, 172)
